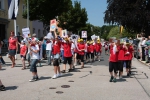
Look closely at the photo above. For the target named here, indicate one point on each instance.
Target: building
(7, 25)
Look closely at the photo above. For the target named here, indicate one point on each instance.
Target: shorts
(68, 60)
(113, 67)
(22, 56)
(82, 58)
(56, 62)
(128, 63)
(120, 65)
(78, 56)
(12, 52)
(33, 65)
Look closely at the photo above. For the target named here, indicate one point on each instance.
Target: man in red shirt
(67, 54)
(92, 51)
(98, 49)
(113, 59)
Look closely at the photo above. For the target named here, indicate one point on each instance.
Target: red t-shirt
(113, 56)
(23, 50)
(88, 48)
(56, 47)
(98, 47)
(126, 56)
(121, 53)
(80, 47)
(67, 49)
(92, 48)
(12, 43)
(130, 49)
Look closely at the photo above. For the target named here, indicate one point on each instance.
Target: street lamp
(27, 13)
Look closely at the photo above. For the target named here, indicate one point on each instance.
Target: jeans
(62, 54)
(48, 53)
(33, 65)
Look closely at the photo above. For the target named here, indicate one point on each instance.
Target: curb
(144, 63)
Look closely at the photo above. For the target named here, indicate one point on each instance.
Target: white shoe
(120, 77)
(54, 77)
(59, 75)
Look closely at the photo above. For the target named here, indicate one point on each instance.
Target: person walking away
(98, 50)
(23, 50)
(49, 45)
(113, 62)
(34, 50)
(88, 52)
(56, 54)
(92, 52)
(13, 47)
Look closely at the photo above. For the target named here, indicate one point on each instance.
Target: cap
(34, 35)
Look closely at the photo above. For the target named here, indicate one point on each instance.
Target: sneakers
(54, 77)
(2, 88)
(34, 79)
(120, 77)
(59, 75)
(111, 79)
(114, 80)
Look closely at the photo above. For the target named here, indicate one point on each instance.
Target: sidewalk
(90, 83)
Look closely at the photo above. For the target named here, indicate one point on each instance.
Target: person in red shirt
(121, 54)
(23, 51)
(88, 52)
(67, 54)
(113, 59)
(81, 48)
(131, 50)
(13, 47)
(56, 54)
(76, 53)
(92, 51)
(98, 49)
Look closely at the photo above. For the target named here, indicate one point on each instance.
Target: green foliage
(132, 14)
(74, 19)
(115, 32)
(45, 10)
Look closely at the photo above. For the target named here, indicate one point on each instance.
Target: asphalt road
(90, 83)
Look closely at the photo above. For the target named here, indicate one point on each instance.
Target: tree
(115, 32)
(134, 15)
(74, 19)
(45, 10)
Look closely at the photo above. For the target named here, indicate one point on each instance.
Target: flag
(121, 29)
(13, 9)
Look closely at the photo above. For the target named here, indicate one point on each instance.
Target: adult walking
(13, 47)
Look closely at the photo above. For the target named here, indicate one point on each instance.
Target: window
(33, 30)
(1, 4)
(24, 8)
(39, 33)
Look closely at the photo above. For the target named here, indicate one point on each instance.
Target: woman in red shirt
(81, 48)
(56, 54)
(13, 47)
(131, 50)
(88, 52)
(23, 51)
(67, 54)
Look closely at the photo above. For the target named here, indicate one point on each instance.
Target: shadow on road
(44, 78)
(11, 88)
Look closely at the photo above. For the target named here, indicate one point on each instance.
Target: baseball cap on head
(34, 35)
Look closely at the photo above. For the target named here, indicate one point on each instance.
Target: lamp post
(27, 13)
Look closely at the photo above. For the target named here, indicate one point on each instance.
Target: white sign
(53, 25)
(74, 37)
(25, 32)
(84, 34)
(93, 37)
(64, 33)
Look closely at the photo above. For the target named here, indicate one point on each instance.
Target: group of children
(120, 53)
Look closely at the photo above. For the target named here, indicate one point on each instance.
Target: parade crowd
(56, 49)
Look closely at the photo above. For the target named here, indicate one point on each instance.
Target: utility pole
(28, 13)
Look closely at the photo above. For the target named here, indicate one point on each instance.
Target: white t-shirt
(35, 55)
(72, 46)
(49, 46)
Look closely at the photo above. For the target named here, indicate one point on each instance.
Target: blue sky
(95, 10)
